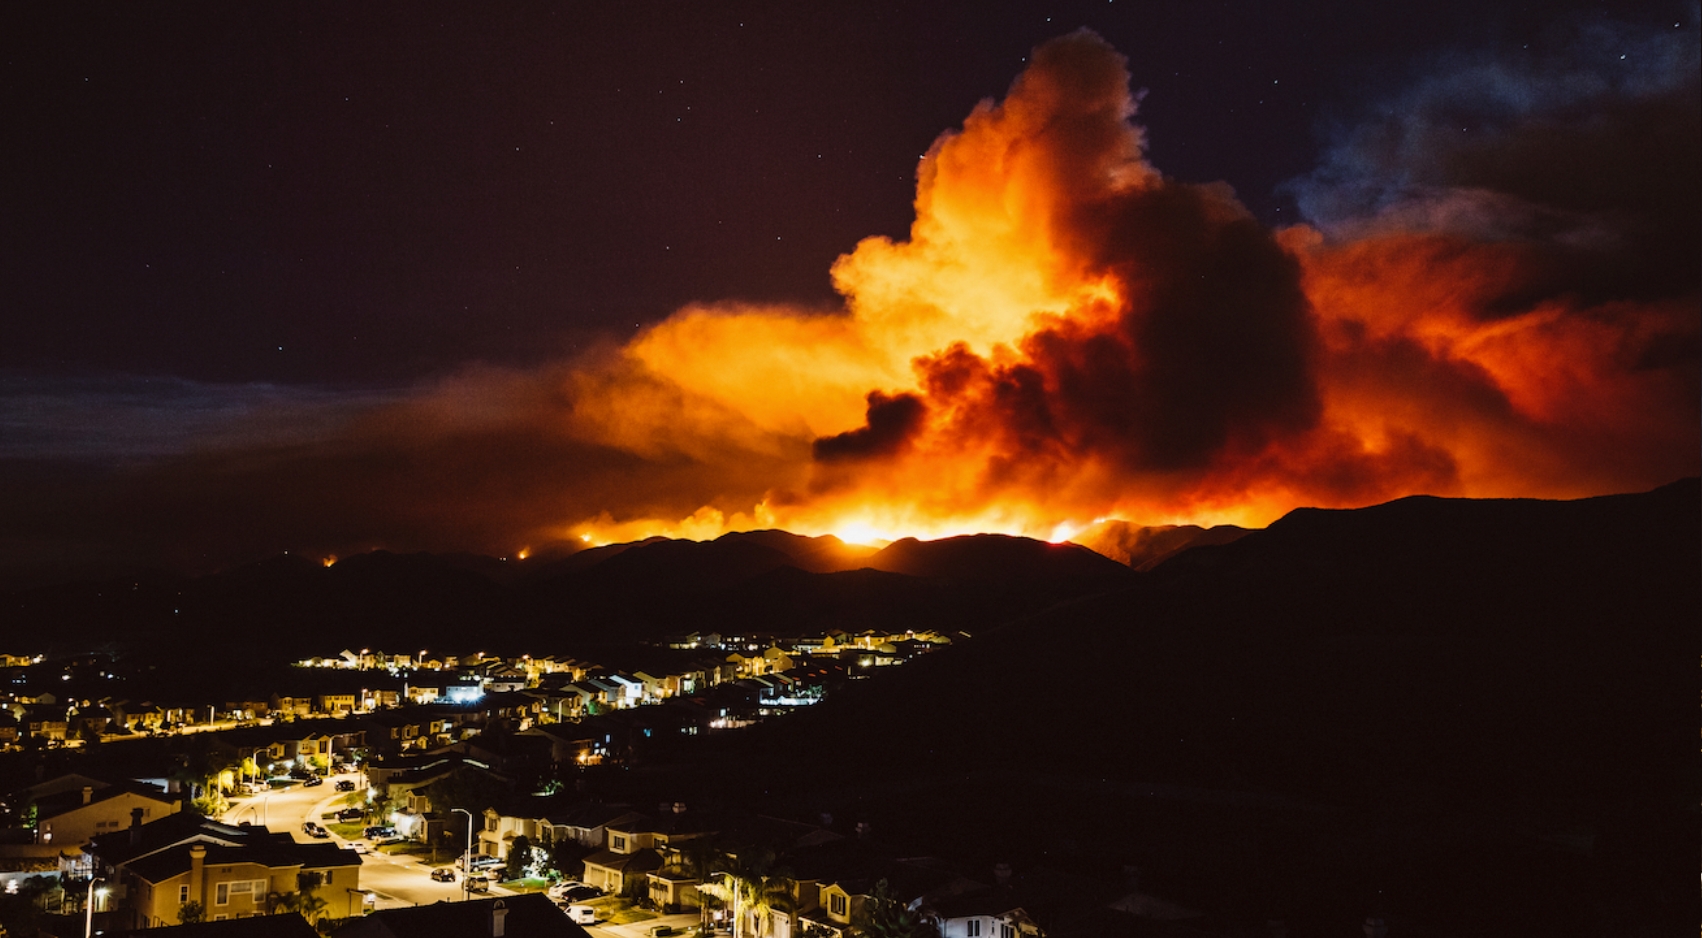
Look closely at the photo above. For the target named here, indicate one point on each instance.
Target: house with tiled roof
(73, 808)
(233, 872)
(524, 916)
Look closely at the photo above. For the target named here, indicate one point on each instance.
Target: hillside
(1445, 690)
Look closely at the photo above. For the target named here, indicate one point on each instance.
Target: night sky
(229, 226)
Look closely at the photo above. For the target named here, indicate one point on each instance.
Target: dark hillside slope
(1463, 678)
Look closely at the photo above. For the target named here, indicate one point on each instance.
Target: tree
(191, 913)
(465, 788)
(304, 901)
(519, 857)
(752, 887)
(884, 916)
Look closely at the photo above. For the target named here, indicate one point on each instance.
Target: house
(291, 705)
(231, 871)
(71, 809)
(46, 722)
(337, 705)
(572, 743)
(289, 925)
(614, 871)
(983, 913)
(531, 915)
(588, 824)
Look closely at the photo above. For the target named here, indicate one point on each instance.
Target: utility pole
(466, 857)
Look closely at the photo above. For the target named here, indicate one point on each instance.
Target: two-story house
(232, 872)
(72, 809)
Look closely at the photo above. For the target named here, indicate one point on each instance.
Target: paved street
(392, 881)
(682, 925)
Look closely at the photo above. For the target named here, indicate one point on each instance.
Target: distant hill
(1143, 547)
(993, 557)
(751, 582)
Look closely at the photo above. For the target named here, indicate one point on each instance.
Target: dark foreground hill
(1474, 715)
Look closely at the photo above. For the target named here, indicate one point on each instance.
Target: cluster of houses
(820, 880)
(152, 857)
(737, 680)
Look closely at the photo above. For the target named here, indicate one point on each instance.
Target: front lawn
(618, 911)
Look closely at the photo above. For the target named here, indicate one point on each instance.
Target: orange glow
(328, 561)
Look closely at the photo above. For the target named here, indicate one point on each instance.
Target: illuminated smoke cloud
(1067, 336)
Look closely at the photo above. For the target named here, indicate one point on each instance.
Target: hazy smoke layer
(1504, 309)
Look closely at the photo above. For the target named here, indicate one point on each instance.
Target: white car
(359, 846)
(582, 914)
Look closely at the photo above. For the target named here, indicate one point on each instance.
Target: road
(683, 925)
(386, 882)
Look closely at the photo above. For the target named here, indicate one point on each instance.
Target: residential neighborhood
(371, 783)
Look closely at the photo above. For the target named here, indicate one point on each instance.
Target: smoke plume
(1068, 336)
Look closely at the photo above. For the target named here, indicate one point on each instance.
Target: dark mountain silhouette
(827, 554)
(1144, 547)
(994, 557)
(1420, 700)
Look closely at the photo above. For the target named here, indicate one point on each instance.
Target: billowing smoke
(1497, 295)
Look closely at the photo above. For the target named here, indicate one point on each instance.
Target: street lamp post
(466, 856)
(89, 907)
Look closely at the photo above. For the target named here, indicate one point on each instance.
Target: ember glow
(1068, 336)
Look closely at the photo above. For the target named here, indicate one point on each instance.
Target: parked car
(478, 885)
(312, 782)
(359, 847)
(582, 914)
(314, 830)
(344, 784)
(350, 814)
(388, 841)
(376, 831)
(443, 874)
(485, 863)
(559, 889)
(581, 893)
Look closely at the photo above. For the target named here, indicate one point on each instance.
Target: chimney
(499, 911)
(1002, 874)
(135, 826)
(88, 794)
(197, 860)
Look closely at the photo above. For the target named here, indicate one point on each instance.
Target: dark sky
(358, 195)
(337, 276)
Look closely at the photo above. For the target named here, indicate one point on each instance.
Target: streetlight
(89, 907)
(466, 855)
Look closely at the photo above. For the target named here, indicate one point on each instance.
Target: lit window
(836, 905)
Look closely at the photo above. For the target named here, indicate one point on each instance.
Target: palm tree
(753, 888)
(886, 916)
